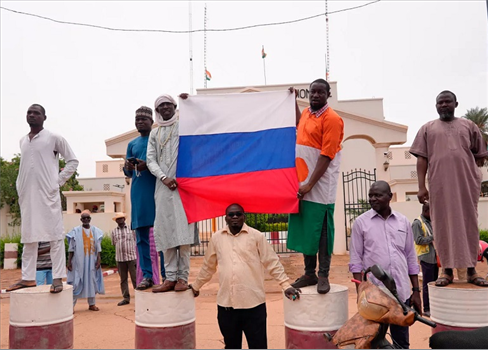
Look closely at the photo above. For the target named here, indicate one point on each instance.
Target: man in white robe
(172, 233)
(38, 186)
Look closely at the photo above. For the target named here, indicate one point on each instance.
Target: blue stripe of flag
(234, 153)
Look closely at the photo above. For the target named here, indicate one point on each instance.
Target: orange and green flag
(263, 54)
(208, 76)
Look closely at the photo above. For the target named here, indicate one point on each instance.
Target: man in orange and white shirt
(320, 131)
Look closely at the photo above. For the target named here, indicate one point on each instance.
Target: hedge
(108, 250)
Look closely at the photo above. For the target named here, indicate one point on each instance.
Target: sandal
(145, 284)
(56, 288)
(477, 280)
(93, 308)
(444, 280)
(19, 285)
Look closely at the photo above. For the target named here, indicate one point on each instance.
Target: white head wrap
(159, 119)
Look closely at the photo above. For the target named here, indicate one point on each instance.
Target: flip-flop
(19, 285)
(477, 280)
(444, 280)
(56, 288)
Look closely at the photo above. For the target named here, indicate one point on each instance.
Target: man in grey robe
(172, 233)
(38, 185)
(452, 149)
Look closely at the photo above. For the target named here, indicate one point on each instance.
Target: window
(413, 174)
(106, 187)
(389, 156)
(408, 155)
(121, 167)
(105, 168)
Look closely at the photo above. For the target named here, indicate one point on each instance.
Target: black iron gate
(273, 226)
(356, 184)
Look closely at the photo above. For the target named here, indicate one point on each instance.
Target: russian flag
(237, 148)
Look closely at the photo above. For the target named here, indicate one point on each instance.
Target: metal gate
(273, 226)
(356, 184)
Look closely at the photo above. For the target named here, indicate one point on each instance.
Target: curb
(105, 274)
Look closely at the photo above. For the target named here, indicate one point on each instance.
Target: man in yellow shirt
(241, 253)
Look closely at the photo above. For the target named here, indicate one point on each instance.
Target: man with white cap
(123, 239)
(172, 233)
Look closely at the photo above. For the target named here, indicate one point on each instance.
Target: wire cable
(188, 31)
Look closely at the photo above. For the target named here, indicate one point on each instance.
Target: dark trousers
(323, 256)
(430, 272)
(126, 268)
(400, 334)
(143, 248)
(232, 322)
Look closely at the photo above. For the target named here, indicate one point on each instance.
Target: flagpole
(264, 64)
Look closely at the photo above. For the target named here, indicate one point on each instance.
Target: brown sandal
(444, 280)
(93, 308)
(477, 280)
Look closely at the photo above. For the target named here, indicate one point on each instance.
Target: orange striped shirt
(325, 132)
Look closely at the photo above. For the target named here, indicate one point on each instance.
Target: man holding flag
(172, 233)
(320, 131)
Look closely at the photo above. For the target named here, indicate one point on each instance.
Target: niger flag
(208, 76)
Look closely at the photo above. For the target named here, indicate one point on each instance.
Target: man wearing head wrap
(142, 198)
(172, 232)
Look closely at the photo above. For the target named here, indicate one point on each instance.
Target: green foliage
(8, 190)
(479, 116)
(257, 221)
(108, 252)
(20, 247)
(71, 185)
(268, 222)
(484, 235)
(277, 226)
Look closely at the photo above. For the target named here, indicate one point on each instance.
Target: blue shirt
(143, 186)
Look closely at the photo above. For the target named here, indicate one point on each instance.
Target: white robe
(38, 185)
(171, 228)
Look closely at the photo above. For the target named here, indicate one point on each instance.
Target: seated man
(383, 236)
(241, 252)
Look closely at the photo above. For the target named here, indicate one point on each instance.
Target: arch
(361, 137)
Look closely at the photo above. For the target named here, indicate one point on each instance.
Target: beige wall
(109, 168)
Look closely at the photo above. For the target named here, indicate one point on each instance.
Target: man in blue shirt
(142, 194)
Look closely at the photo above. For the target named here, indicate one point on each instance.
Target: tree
(479, 116)
(8, 190)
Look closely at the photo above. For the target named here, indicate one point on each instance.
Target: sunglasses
(235, 213)
(86, 218)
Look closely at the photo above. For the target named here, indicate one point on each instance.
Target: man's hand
(97, 264)
(415, 302)
(184, 96)
(303, 190)
(293, 293)
(141, 166)
(128, 165)
(170, 183)
(69, 266)
(292, 90)
(423, 195)
(195, 292)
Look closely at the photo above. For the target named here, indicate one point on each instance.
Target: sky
(91, 81)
